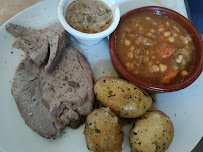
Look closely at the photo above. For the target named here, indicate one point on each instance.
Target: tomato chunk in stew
(155, 48)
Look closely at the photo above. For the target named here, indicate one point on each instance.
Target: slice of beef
(57, 43)
(19, 31)
(53, 85)
(32, 42)
(27, 94)
(37, 43)
(68, 90)
(50, 101)
(37, 48)
(58, 38)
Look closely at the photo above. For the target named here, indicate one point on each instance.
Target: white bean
(167, 33)
(129, 65)
(171, 39)
(154, 23)
(161, 29)
(184, 73)
(184, 39)
(148, 18)
(176, 28)
(145, 40)
(162, 67)
(141, 28)
(149, 34)
(189, 38)
(127, 42)
(183, 62)
(167, 23)
(130, 54)
(175, 35)
(179, 59)
(132, 48)
(154, 68)
(147, 52)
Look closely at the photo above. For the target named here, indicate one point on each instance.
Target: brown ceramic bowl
(185, 23)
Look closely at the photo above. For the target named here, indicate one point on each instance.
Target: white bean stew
(155, 48)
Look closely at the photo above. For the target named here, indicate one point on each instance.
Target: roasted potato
(103, 132)
(153, 132)
(122, 97)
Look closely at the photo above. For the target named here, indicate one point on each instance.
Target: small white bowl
(86, 38)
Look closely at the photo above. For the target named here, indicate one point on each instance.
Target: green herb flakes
(129, 97)
(97, 130)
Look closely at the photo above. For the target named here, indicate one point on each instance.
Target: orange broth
(155, 49)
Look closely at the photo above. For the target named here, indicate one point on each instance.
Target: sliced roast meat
(19, 31)
(50, 101)
(69, 88)
(37, 43)
(37, 48)
(57, 43)
(27, 94)
(58, 38)
(32, 42)
(53, 30)
(53, 85)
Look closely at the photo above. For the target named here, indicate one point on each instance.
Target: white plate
(183, 107)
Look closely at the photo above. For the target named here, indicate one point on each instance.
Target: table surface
(9, 8)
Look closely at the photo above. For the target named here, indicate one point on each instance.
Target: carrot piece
(170, 75)
(161, 25)
(166, 50)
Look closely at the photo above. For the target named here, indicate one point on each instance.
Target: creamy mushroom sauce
(89, 16)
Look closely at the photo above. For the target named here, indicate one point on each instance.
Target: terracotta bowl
(185, 23)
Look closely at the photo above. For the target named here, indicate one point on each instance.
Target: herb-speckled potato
(153, 132)
(122, 97)
(103, 132)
